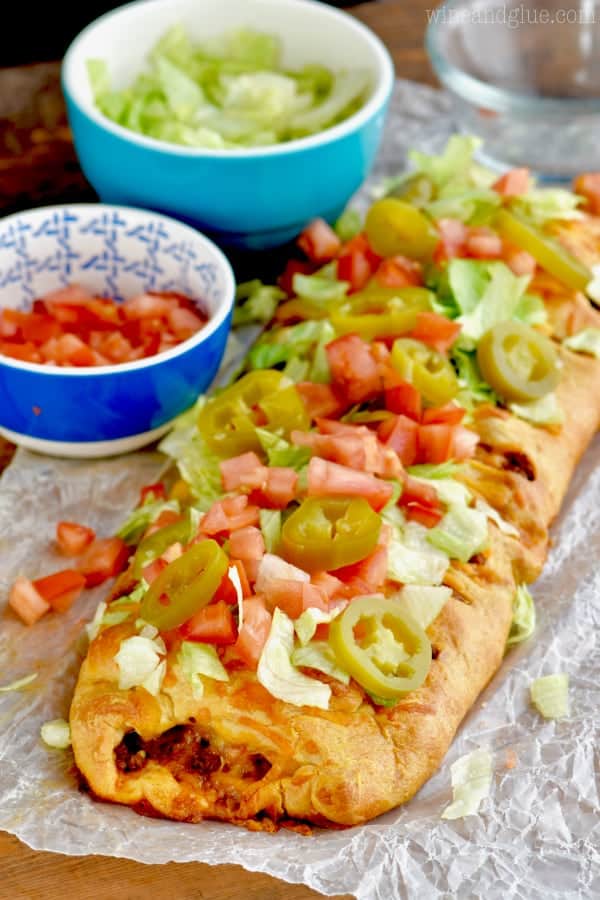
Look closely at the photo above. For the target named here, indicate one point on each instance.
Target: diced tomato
(151, 572)
(247, 543)
(319, 241)
(72, 539)
(245, 584)
(293, 267)
(450, 414)
(399, 271)
(357, 262)
(152, 493)
(400, 434)
(405, 400)
(71, 295)
(147, 306)
(353, 369)
(23, 352)
(366, 576)
(103, 559)
(426, 515)
(26, 601)
(228, 515)
(319, 399)
(9, 323)
(279, 489)
(519, 261)
(464, 442)
(60, 589)
(39, 328)
(114, 346)
(213, 624)
(183, 322)
(72, 351)
(512, 183)
(293, 597)
(436, 331)
(350, 445)
(332, 587)
(245, 472)
(483, 243)
(453, 235)
(434, 443)
(166, 517)
(328, 479)
(254, 632)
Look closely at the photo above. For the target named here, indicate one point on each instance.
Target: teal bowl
(251, 198)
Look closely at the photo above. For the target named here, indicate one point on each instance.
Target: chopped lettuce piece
(234, 577)
(93, 627)
(523, 622)
(474, 389)
(197, 464)
(550, 695)
(542, 205)
(256, 302)
(139, 662)
(545, 411)
(504, 526)
(531, 310)
(270, 525)
(279, 676)
(461, 534)
(586, 341)
(348, 225)
(56, 734)
(485, 293)
(434, 471)
(198, 660)
(450, 491)
(474, 206)
(280, 452)
(346, 95)
(273, 567)
(471, 781)
(114, 617)
(424, 603)
(319, 289)
(453, 164)
(320, 655)
(18, 684)
(412, 559)
(306, 623)
(135, 525)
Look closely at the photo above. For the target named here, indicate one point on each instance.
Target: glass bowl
(525, 77)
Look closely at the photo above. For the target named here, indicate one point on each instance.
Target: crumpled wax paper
(536, 836)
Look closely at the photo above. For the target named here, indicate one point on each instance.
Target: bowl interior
(310, 32)
(113, 251)
(539, 49)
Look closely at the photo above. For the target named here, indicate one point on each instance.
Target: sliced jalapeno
(429, 371)
(518, 362)
(394, 228)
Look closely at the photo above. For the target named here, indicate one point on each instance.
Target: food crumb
(511, 759)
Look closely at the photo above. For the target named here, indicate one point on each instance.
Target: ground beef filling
(184, 750)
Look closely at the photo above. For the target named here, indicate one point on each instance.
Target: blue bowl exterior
(108, 405)
(250, 201)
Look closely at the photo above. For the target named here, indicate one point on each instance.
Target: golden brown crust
(354, 761)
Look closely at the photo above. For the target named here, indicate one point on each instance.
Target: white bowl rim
(214, 322)
(381, 93)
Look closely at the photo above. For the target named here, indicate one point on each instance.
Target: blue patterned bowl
(255, 197)
(115, 252)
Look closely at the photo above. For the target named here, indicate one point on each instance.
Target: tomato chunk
(228, 515)
(319, 399)
(450, 414)
(26, 601)
(152, 492)
(366, 576)
(436, 331)
(328, 479)
(103, 559)
(254, 632)
(214, 624)
(404, 399)
(293, 597)
(588, 186)
(434, 443)
(72, 538)
(279, 488)
(512, 183)
(353, 369)
(399, 271)
(319, 241)
(61, 589)
(400, 434)
(357, 262)
(244, 472)
(247, 543)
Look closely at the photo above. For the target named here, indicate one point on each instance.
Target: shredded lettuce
(139, 663)
(424, 603)
(348, 225)
(319, 289)
(234, 577)
(523, 622)
(273, 567)
(18, 684)
(301, 347)
(531, 310)
(461, 534)
(474, 389)
(230, 91)
(280, 452)
(449, 491)
(550, 695)
(200, 660)
(256, 302)
(545, 411)
(279, 676)
(544, 205)
(453, 164)
(197, 464)
(270, 525)
(433, 471)
(412, 559)
(471, 781)
(586, 341)
(133, 528)
(474, 206)
(485, 294)
(320, 655)
(56, 734)
(306, 623)
(489, 511)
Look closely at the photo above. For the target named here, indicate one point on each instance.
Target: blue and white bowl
(115, 252)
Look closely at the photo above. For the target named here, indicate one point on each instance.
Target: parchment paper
(537, 836)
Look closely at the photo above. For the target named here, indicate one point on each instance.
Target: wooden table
(38, 165)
